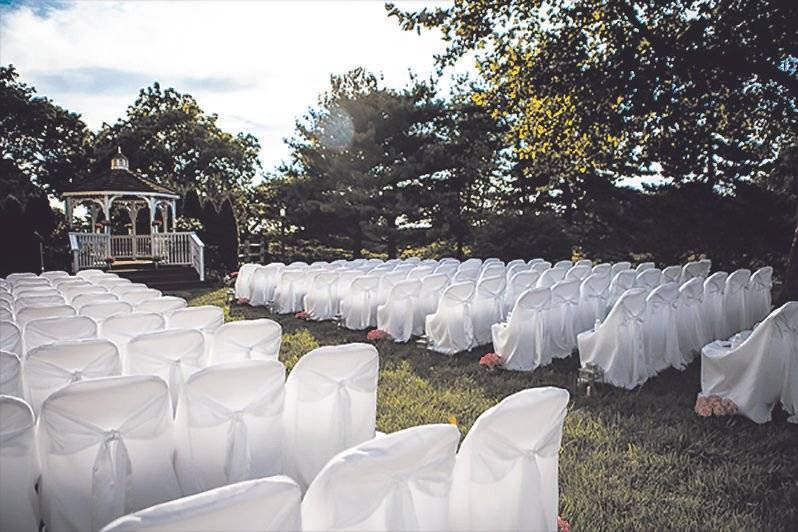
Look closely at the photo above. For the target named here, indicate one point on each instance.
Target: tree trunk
(357, 243)
(789, 289)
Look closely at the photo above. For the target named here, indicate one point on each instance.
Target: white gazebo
(128, 191)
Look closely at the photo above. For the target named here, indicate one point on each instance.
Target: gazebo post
(174, 216)
(68, 211)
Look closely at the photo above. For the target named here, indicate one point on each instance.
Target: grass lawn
(629, 460)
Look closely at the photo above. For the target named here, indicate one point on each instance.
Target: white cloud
(258, 65)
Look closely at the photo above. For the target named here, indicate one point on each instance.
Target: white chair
(466, 275)
(26, 314)
(330, 405)
(432, 287)
(563, 265)
(269, 504)
(487, 307)
(734, 301)
(89, 299)
(19, 469)
(584, 262)
(120, 328)
(162, 305)
(290, 291)
(758, 300)
(579, 272)
(550, 277)
(643, 266)
(359, 305)
(619, 267)
(51, 275)
(605, 268)
(33, 282)
(387, 282)
(229, 424)
(691, 270)
(649, 279)
(519, 283)
(593, 300)
(48, 330)
(523, 341)
(87, 274)
(247, 340)
(540, 267)
(511, 453)
(205, 318)
(758, 371)
(397, 482)
(71, 292)
(102, 463)
(706, 267)
(243, 285)
(320, 302)
(69, 282)
(662, 328)
(10, 374)
(618, 345)
(450, 330)
(113, 282)
(342, 286)
(53, 366)
(563, 317)
(139, 295)
(38, 293)
(127, 287)
(6, 314)
(101, 311)
(693, 334)
(18, 276)
(10, 338)
(397, 316)
(419, 272)
(714, 313)
(623, 281)
(672, 274)
(172, 355)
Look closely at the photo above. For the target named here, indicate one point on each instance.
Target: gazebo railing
(89, 250)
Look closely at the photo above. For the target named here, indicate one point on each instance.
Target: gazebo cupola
(120, 188)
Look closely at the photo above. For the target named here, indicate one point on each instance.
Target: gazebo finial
(119, 161)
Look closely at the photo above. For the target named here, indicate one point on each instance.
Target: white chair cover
(128, 287)
(172, 355)
(120, 328)
(205, 318)
(605, 268)
(359, 305)
(266, 504)
(734, 301)
(623, 281)
(449, 330)
(593, 300)
(512, 454)
(113, 282)
(86, 274)
(662, 328)
(466, 275)
(398, 482)
(247, 340)
(693, 333)
(387, 282)
(397, 316)
(18, 276)
(5, 313)
(419, 272)
(29, 298)
(290, 291)
(19, 468)
(758, 297)
(432, 287)
(518, 284)
(618, 345)
(243, 285)
(10, 338)
(101, 311)
(563, 317)
(619, 267)
(540, 267)
(691, 270)
(162, 305)
(563, 264)
(51, 275)
(48, 330)
(713, 308)
(10, 374)
(579, 272)
(101, 463)
(643, 266)
(524, 341)
(53, 366)
(706, 267)
(70, 282)
(487, 307)
(342, 286)
(330, 405)
(71, 292)
(89, 299)
(320, 302)
(649, 279)
(24, 315)
(262, 284)
(550, 277)
(757, 372)
(137, 296)
(229, 424)
(672, 274)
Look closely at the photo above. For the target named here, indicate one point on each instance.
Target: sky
(259, 65)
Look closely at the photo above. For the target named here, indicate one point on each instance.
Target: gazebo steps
(165, 277)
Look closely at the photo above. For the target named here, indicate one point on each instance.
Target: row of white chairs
(648, 331)
(91, 475)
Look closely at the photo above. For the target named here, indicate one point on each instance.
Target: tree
(692, 91)
(167, 136)
(43, 145)
(228, 228)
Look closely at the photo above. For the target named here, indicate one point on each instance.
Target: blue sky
(257, 64)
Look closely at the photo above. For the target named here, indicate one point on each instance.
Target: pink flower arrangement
(243, 300)
(302, 315)
(708, 405)
(563, 525)
(491, 360)
(376, 335)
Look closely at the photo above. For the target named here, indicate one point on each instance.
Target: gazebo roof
(119, 179)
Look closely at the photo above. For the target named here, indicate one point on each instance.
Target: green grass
(629, 460)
